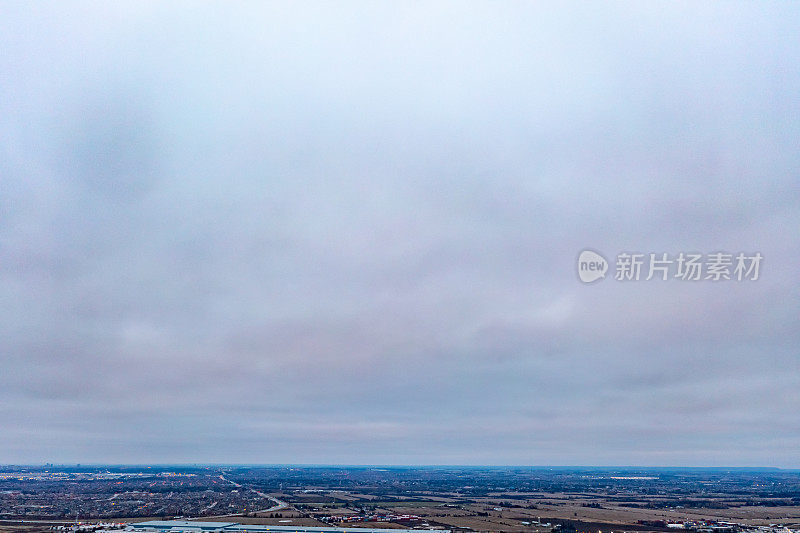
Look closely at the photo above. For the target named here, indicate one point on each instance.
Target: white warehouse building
(184, 526)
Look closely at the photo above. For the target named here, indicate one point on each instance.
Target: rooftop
(185, 525)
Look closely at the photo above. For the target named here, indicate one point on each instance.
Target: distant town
(253, 499)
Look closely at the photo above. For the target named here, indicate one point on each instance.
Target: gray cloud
(256, 233)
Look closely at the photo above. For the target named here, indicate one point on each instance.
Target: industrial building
(183, 526)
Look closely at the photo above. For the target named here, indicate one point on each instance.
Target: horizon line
(400, 465)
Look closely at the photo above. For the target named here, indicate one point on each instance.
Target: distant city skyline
(598, 468)
(310, 233)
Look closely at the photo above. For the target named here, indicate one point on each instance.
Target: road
(279, 505)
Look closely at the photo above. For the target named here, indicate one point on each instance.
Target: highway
(278, 504)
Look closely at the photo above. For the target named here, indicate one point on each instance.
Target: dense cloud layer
(348, 233)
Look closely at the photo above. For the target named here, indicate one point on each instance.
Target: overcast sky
(347, 233)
